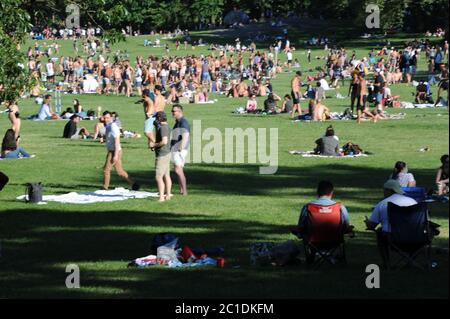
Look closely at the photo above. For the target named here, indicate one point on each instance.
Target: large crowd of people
(232, 70)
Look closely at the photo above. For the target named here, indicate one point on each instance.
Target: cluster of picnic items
(166, 250)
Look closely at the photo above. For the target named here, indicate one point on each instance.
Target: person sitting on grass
(71, 131)
(287, 105)
(10, 146)
(78, 108)
(270, 104)
(421, 93)
(328, 145)
(320, 111)
(45, 112)
(200, 96)
(442, 176)
(401, 175)
(252, 104)
(100, 129)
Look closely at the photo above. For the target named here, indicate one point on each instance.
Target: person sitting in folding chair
(405, 228)
(322, 225)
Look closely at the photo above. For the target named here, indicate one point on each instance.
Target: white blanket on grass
(117, 194)
(311, 154)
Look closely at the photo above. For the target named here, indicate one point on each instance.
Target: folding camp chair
(410, 236)
(324, 236)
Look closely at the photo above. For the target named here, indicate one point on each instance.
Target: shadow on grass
(38, 244)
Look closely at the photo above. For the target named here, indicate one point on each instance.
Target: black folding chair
(409, 238)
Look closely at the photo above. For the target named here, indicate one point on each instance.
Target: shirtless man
(321, 112)
(362, 99)
(160, 101)
(149, 106)
(295, 92)
(242, 89)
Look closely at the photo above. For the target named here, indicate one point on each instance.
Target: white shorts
(179, 158)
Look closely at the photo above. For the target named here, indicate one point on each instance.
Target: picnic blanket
(427, 105)
(117, 194)
(311, 154)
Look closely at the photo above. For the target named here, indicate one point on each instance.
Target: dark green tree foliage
(414, 15)
(14, 27)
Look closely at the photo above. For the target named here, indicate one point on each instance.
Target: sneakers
(136, 187)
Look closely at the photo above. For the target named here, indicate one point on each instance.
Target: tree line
(147, 15)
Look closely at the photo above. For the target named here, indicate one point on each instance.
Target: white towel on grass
(117, 194)
(311, 154)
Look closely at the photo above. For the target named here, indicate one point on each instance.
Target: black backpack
(3, 180)
(34, 192)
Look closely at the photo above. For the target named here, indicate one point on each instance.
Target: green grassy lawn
(230, 205)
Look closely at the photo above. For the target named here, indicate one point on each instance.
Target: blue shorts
(379, 97)
(206, 76)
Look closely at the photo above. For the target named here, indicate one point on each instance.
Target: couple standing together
(168, 149)
(166, 146)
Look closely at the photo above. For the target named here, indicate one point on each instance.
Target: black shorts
(359, 106)
(295, 97)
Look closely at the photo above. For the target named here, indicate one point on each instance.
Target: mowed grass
(230, 205)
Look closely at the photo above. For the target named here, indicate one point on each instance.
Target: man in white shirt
(114, 154)
(289, 58)
(50, 71)
(393, 193)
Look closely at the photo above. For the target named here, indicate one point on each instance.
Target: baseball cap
(393, 185)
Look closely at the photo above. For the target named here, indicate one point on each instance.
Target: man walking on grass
(180, 145)
(114, 154)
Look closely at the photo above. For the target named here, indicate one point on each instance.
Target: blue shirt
(181, 126)
(438, 58)
(323, 202)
